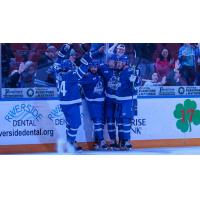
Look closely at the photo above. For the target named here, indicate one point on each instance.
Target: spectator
(13, 80)
(131, 53)
(187, 60)
(48, 58)
(27, 74)
(154, 81)
(45, 62)
(145, 59)
(174, 79)
(164, 63)
(23, 77)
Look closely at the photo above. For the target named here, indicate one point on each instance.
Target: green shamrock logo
(187, 114)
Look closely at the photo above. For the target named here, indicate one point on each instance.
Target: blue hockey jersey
(125, 89)
(93, 87)
(54, 69)
(67, 85)
(111, 81)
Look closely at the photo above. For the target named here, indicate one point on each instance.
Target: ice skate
(101, 146)
(113, 145)
(126, 146)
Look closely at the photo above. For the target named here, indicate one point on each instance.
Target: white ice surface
(143, 151)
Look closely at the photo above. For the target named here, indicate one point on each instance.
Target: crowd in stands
(29, 65)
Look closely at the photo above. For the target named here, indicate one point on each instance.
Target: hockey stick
(134, 103)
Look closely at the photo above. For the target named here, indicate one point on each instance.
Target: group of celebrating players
(109, 91)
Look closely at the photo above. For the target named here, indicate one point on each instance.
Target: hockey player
(69, 95)
(64, 53)
(109, 74)
(93, 88)
(124, 99)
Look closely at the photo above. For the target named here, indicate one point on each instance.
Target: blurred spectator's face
(52, 52)
(155, 77)
(28, 74)
(93, 70)
(31, 70)
(111, 64)
(13, 64)
(121, 50)
(119, 65)
(165, 53)
(52, 55)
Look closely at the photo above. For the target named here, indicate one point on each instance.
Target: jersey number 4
(61, 87)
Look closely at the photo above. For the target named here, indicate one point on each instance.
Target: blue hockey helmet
(123, 59)
(66, 65)
(113, 57)
(94, 63)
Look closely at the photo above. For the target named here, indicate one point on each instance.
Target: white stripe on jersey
(81, 71)
(70, 102)
(120, 98)
(97, 99)
(80, 77)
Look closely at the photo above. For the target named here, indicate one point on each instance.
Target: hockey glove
(64, 50)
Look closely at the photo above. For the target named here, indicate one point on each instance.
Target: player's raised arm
(64, 51)
(82, 70)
